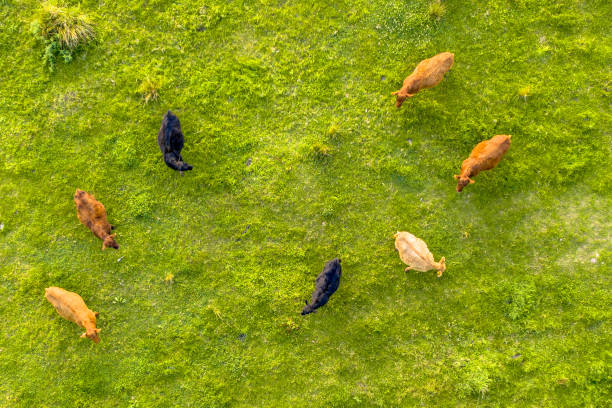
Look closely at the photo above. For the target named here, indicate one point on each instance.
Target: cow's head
(78, 193)
(109, 242)
(92, 334)
(401, 96)
(307, 309)
(441, 266)
(462, 181)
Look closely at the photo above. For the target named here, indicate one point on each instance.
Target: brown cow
(92, 214)
(427, 74)
(486, 155)
(71, 307)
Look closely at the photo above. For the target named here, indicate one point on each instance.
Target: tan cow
(92, 214)
(485, 156)
(413, 252)
(427, 74)
(71, 307)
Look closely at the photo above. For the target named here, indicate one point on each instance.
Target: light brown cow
(71, 307)
(427, 74)
(413, 252)
(485, 156)
(92, 214)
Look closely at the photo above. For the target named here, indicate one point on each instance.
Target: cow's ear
(96, 314)
(472, 181)
(456, 176)
(84, 335)
(98, 330)
(305, 301)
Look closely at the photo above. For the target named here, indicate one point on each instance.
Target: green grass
(520, 318)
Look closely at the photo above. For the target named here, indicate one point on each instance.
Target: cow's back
(175, 140)
(85, 206)
(91, 212)
(413, 251)
(69, 305)
(430, 72)
(490, 152)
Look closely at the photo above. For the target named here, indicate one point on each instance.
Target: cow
(427, 74)
(171, 140)
(485, 156)
(413, 252)
(325, 285)
(92, 214)
(71, 307)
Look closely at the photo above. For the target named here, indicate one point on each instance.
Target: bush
(149, 88)
(321, 151)
(63, 31)
(521, 300)
(476, 380)
(437, 10)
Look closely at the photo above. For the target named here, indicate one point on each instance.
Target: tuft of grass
(524, 92)
(67, 25)
(290, 326)
(63, 31)
(333, 129)
(521, 300)
(475, 381)
(437, 10)
(321, 150)
(149, 89)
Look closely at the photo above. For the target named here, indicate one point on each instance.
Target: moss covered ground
(300, 156)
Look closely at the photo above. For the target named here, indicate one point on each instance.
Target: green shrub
(321, 150)
(63, 31)
(524, 92)
(437, 10)
(521, 300)
(475, 381)
(149, 89)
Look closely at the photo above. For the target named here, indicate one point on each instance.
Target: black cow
(326, 284)
(170, 140)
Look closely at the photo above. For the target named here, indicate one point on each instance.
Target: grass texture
(300, 156)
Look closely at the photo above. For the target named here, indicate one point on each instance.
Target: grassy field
(521, 317)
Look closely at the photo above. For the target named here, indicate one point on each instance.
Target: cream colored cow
(414, 253)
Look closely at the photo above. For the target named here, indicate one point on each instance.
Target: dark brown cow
(92, 214)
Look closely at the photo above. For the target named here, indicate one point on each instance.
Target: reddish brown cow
(485, 156)
(92, 214)
(427, 74)
(71, 307)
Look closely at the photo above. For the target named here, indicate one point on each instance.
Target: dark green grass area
(520, 318)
